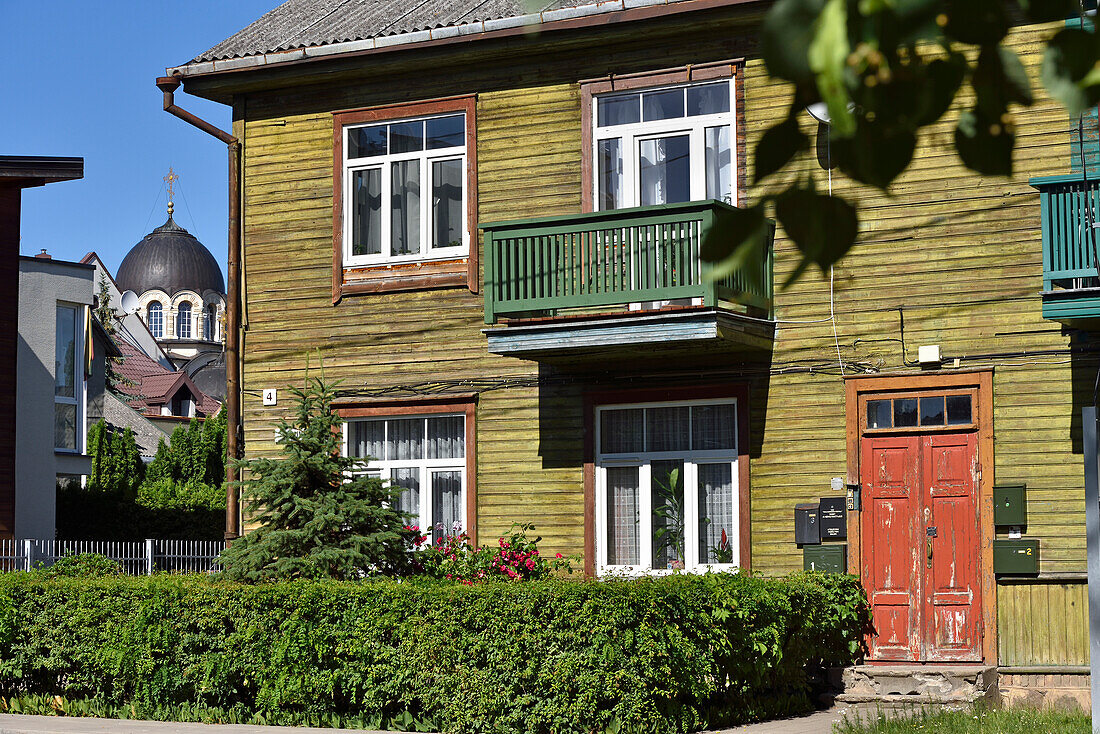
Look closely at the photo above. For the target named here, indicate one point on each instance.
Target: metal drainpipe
(168, 85)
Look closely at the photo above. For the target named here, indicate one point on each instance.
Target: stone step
(919, 684)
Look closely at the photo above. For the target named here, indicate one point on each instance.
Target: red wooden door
(919, 529)
(952, 598)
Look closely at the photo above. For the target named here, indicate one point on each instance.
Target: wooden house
(486, 222)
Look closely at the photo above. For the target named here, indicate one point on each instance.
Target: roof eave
(598, 13)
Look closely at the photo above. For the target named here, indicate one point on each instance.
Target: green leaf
(877, 154)
(785, 35)
(1044, 11)
(828, 58)
(823, 227)
(777, 147)
(1068, 61)
(738, 238)
(1017, 83)
(870, 7)
(984, 144)
(980, 22)
(943, 77)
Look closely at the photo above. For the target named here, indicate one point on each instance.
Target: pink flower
(558, 555)
(530, 564)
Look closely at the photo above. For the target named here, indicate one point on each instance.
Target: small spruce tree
(319, 516)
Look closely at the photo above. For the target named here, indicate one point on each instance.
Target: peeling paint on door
(920, 549)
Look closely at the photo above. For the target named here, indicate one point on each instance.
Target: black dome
(171, 259)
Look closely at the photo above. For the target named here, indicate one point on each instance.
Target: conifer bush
(317, 514)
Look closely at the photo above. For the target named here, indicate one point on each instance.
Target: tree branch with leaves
(886, 70)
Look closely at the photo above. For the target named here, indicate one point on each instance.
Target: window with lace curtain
(426, 457)
(666, 487)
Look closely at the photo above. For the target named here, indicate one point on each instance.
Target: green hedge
(672, 654)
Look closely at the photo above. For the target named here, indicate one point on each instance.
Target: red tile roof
(147, 385)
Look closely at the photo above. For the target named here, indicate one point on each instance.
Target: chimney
(43, 255)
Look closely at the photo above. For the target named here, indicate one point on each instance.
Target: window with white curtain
(663, 146)
(426, 457)
(404, 190)
(666, 487)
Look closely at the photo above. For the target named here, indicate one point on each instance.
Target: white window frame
(185, 322)
(632, 135)
(149, 317)
(384, 165)
(79, 380)
(384, 469)
(643, 461)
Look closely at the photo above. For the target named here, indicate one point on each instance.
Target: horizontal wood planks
(953, 256)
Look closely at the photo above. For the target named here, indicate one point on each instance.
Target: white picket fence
(138, 558)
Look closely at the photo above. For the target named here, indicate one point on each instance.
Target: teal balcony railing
(613, 258)
(1068, 205)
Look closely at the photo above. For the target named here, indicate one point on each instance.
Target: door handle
(930, 553)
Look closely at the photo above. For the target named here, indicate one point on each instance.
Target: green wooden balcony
(607, 261)
(1071, 248)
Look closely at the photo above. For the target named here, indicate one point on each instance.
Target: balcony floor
(1078, 308)
(711, 329)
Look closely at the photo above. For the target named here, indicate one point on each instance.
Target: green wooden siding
(958, 253)
(1043, 624)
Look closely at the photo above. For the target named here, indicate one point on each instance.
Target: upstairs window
(406, 197)
(210, 322)
(664, 145)
(68, 378)
(405, 192)
(154, 317)
(183, 321)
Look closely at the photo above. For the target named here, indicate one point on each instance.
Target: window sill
(404, 277)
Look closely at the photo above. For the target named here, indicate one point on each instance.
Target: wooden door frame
(982, 381)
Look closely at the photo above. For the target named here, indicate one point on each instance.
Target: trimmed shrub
(81, 565)
(673, 654)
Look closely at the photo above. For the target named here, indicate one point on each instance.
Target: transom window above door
(405, 190)
(923, 411)
(667, 487)
(664, 145)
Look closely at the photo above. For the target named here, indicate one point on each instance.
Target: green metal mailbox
(1010, 504)
(831, 558)
(1016, 557)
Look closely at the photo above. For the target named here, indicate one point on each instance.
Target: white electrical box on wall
(271, 396)
(929, 354)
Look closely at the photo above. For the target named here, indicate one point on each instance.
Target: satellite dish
(820, 112)
(130, 303)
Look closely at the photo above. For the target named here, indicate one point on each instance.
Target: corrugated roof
(309, 23)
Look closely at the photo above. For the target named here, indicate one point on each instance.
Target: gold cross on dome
(170, 179)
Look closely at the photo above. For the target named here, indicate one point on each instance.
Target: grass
(978, 721)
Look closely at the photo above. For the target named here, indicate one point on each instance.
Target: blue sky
(77, 79)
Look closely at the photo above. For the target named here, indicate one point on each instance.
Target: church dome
(170, 259)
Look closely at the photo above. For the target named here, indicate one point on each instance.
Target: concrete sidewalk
(20, 724)
(816, 723)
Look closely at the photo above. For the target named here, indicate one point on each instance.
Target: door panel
(920, 546)
(952, 599)
(890, 560)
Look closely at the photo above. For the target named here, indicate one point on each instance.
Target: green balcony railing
(613, 258)
(1070, 247)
